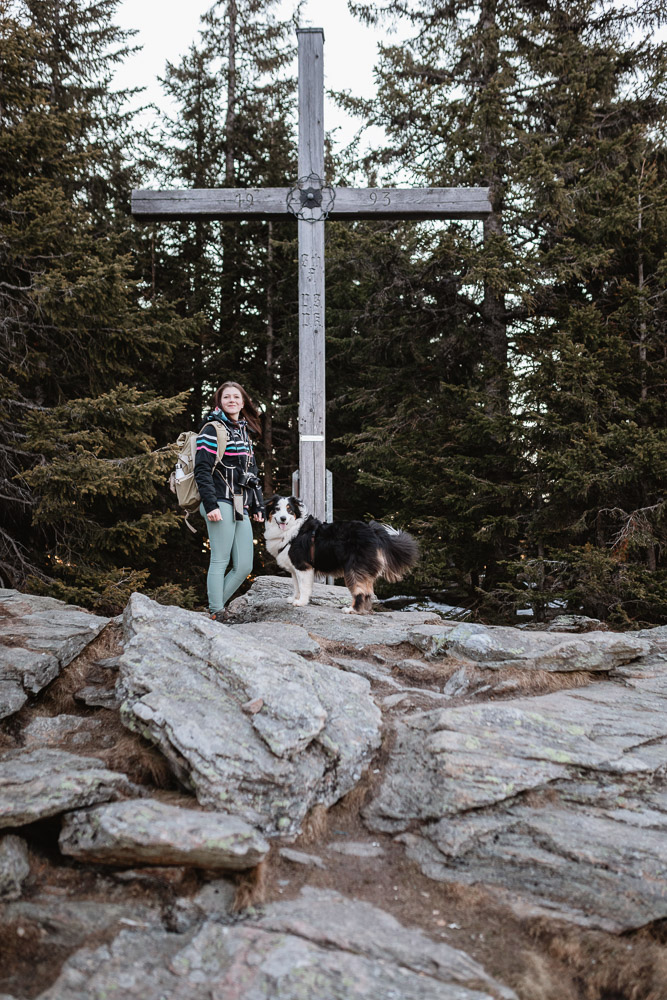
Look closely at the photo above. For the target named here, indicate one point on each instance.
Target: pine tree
(540, 430)
(73, 325)
(234, 127)
(595, 418)
(442, 434)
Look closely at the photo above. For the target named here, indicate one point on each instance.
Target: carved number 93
(386, 200)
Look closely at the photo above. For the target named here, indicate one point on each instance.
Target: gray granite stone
(453, 789)
(35, 784)
(301, 858)
(356, 849)
(184, 682)
(498, 646)
(67, 732)
(150, 832)
(266, 601)
(290, 637)
(38, 637)
(319, 945)
(14, 866)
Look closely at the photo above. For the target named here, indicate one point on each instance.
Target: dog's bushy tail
(398, 549)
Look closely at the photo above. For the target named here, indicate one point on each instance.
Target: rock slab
(67, 732)
(292, 637)
(38, 637)
(150, 832)
(35, 784)
(492, 647)
(268, 601)
(593, 850)
(183, 683)
(14, 866)
(320, 945)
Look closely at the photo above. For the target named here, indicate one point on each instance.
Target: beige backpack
(182, 480)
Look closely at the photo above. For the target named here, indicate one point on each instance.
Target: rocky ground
(299, 803)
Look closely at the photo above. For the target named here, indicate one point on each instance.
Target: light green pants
(229, 539)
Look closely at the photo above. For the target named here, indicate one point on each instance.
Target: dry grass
(543, 979)
(139, 760)
(574, 963)
(511, 682)
(472, 896)
(58, 698)
(316, 825)
(355, 800)
(538, 681)
(251, 887)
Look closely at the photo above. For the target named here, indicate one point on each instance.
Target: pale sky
(168, 27)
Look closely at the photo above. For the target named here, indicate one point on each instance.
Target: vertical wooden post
(312, 459)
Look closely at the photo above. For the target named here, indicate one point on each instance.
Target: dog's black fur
(359, 552)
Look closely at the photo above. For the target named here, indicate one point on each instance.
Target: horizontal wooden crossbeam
(271, 203)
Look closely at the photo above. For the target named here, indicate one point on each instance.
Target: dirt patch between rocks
(433, 675)
(115, 745)
(34, 945)
(540, 959)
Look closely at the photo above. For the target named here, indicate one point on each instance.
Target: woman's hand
(214, 515)
(258, 517)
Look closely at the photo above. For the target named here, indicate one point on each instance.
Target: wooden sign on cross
(311, 201)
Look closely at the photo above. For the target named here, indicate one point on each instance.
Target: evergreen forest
(497, 388)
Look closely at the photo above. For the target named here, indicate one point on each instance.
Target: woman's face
(231, 402)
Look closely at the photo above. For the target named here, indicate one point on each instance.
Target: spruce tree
(235, 127)
(442, 433)
(593, 396)
(74, 326)
(539, 441)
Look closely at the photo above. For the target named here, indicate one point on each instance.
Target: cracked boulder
(38, 637)
(588, 845)
(35, 784)
(254, 731)
(319, 945)
(154, 833)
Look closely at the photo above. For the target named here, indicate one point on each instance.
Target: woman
(230, 492)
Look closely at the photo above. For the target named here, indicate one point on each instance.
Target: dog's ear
(271, 504)
(297, 506)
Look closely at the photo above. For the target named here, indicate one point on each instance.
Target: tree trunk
(493, 305)
(640, 289)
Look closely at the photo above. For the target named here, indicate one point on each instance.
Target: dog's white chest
(283, 559)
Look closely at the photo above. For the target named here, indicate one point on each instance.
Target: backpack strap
(186, 518)
(223, 437)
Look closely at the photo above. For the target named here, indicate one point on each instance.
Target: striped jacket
(238, 458)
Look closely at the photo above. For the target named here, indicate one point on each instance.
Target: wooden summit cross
(311, 201)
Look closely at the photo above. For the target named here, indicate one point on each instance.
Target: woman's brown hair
(249, 411)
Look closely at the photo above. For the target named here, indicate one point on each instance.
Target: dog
(355, 550)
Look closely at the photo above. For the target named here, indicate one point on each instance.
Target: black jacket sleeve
(256, 505)
(205, 460)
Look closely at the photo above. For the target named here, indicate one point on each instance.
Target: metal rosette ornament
(311, 199)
